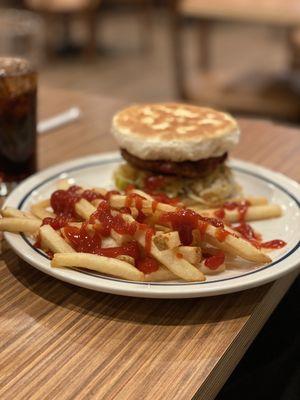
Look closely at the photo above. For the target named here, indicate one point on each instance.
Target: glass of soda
(18, 139)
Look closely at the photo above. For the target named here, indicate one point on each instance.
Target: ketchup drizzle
(213, 262)
(240, 206)
(82, 240)
(163, 198)
(273, 244)
(185, 221)
(103, 214)
(221, 234)
(147, 265)
(104, 220)
(154, 182)
(57, 222)
(148, 240)
(63, 201)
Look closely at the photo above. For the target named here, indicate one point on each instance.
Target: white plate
(97, 171)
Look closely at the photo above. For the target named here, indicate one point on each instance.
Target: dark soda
(18, 90)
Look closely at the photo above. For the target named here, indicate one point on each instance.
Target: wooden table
(248, 93)
(61, 342)
(275, 12)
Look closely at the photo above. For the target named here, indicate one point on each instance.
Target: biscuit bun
(174, 132)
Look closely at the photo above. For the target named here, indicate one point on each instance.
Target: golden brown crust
(172, 121)
(174, 132)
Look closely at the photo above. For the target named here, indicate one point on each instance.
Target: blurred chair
(66, 10)
(22, 34)
(259, 95)
(144, 9)
(295, 49)
(294, 41)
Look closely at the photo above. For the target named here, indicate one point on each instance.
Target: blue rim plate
(97, 170)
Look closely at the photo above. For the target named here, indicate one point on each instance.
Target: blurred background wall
(239, 55)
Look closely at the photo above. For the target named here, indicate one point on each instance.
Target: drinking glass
(22, 34)
(18, 89)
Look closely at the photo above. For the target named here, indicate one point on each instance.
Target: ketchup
(247, 232)
(90, 195)
(148, 240)
(220, 213)
(217, 223)
(111, 193)
(133, 199)
(221, 234)
(154, 182)
(129, 188)
(137, 201)
(185, 221)
(125, 210)
(240, 206)
(50, 254)
(141, 217)
(202, 226)
(213, 262)
(83, 240)
(129, 249)
(105, 219)
(63, 201)
(274, 244)
(255, 238)
(38, 245)
(243, 228)
(163, 198)
(147, 265)
(56, 222)
(38, 242)
(151, 184)
(108, 221)
(154, 206)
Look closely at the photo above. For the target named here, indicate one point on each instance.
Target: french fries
(191, 253)
(253, 213)
(251, 200)
(161, 275)
(236, 246)
(209, 271)
(84, 209)
(169, 258)
(23, 224)
(178, 266)
(51, 240)
(11, 212)
(120, 201)
(163, 256)
(142, 194)
(232, 244)
(40, 209)
(104, 265)
(63, 184)
(169, 240)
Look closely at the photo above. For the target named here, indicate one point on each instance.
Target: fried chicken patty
(187, 169)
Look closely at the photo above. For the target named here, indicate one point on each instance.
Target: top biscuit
(173, 131)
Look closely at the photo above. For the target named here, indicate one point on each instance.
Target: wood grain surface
(275, 12)
(58, 341)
